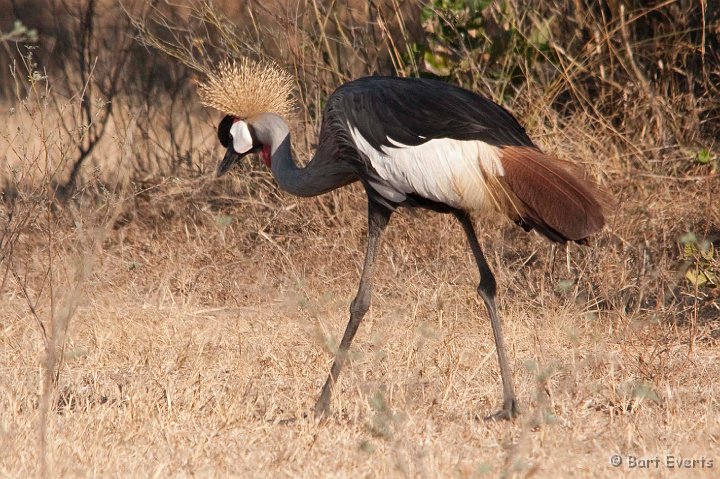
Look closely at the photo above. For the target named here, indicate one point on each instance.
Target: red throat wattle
(266, 155)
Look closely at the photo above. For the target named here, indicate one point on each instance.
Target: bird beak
(230, 159)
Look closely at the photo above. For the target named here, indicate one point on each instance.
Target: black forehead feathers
(224, 130)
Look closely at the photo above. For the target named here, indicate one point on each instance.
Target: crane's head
(243, 90)
(238, 136)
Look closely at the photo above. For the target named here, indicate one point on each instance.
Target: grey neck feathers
(325, 172)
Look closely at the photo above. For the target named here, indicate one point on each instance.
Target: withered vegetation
(159, 321)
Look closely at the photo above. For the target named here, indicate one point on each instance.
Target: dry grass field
(179, 325)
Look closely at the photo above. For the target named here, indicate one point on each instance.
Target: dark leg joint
(487, 288)
(359, 306)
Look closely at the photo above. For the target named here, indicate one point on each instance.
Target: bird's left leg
(487, 291)
(378, 217)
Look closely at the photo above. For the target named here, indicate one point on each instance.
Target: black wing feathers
(412, 111)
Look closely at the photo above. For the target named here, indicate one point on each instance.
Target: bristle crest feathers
(245, 88)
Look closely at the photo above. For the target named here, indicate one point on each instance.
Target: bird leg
(378, 217)
(487, 291)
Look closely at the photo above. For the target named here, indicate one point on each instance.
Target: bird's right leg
(487, 291)
(378, 217)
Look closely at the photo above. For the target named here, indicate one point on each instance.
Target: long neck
(325, 172)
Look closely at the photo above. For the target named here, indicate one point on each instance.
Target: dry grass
(202, 314)
(195, 343)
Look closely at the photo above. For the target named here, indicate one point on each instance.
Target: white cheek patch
(242, 140)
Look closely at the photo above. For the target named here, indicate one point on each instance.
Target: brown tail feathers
(541, 192)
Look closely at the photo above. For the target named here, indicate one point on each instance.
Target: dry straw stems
(213, 307)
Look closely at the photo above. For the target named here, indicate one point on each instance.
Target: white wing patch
(444, 170)
(393, 142)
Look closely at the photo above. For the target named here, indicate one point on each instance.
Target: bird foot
(510, 410)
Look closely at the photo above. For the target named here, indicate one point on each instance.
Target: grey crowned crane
(414, 143)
